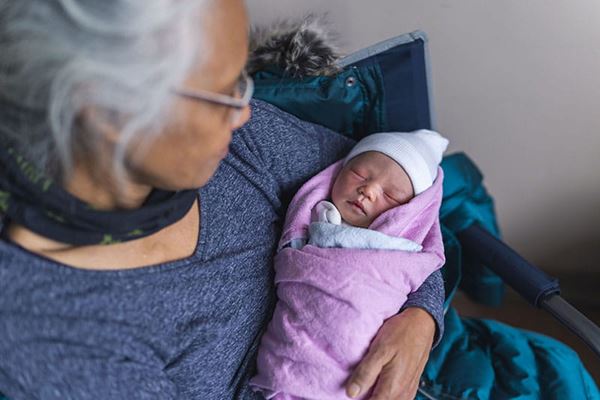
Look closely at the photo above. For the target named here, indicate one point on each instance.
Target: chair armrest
(538, 288)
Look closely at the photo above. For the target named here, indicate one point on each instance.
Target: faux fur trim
(304, 47)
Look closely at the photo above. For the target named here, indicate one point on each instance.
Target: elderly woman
(138, 232)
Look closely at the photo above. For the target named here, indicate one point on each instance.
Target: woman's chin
(201, 178)
(184, 182)
(190, 178)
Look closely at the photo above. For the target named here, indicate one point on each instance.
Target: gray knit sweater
(187, 329)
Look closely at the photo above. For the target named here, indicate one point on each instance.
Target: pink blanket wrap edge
(333, 301)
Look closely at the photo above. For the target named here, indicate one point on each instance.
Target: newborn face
(370, 184)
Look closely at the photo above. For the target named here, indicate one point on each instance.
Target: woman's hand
(396, 357)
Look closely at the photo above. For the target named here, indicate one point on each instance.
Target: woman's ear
(105, 124)
(96, 138)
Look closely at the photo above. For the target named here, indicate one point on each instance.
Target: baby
(345, 266)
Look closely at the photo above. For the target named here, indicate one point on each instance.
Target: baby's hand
(327, 212)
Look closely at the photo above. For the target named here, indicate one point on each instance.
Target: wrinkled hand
(396, 357)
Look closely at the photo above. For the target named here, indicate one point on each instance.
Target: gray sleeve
(291, 150)
(430, 297)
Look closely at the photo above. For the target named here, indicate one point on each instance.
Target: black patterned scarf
(30, 198)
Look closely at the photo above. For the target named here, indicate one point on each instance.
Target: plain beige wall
(516, 85)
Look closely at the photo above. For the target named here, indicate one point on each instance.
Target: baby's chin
(354, 221)
(351, 218)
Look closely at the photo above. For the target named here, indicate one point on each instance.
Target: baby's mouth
(359, 206)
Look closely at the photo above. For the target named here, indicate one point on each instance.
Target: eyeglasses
(244, 88)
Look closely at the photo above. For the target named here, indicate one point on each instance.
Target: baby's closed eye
(392, 198)
(357, 174)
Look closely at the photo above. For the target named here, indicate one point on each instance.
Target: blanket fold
(325, 234)
(332, 301)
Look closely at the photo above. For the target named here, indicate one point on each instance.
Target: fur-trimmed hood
(304, 47)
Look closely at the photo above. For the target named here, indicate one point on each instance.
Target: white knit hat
(418, 152)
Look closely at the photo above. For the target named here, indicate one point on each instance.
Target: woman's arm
(288, 149)
(398, 354)
(430, 297)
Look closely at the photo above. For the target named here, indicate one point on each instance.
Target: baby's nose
(367, 191)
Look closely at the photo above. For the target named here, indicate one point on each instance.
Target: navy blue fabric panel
(529, 281)
(405, 84)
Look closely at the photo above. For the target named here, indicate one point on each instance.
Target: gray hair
(59, 57)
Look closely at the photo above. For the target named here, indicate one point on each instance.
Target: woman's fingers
(396, 357)
(387, 386)
(367, 371)
(396, 382)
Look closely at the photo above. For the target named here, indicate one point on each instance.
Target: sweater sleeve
(292, 151)
(430, 297)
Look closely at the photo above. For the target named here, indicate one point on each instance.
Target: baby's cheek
(338, 204)
(336, 196)
(377, 212)
(347, 215)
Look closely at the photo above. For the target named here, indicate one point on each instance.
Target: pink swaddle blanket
(332, 301)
